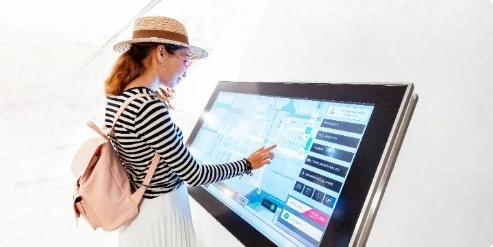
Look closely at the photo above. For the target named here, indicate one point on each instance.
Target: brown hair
(132, 64)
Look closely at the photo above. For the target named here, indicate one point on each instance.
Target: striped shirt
(145, 127)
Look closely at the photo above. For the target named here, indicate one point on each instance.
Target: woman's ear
(160, 53)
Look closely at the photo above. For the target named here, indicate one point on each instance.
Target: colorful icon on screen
(286, 216)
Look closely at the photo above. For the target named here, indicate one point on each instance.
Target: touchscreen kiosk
(336, 144)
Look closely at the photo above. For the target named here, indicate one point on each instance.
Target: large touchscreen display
(291, 200)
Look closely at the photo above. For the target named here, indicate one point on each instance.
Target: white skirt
(164, 221)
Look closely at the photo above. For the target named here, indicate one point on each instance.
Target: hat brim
(196, 53)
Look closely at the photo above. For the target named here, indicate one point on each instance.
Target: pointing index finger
(271, 147)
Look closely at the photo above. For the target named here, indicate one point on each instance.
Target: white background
(440, 190)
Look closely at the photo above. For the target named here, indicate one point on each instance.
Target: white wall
(440, 191)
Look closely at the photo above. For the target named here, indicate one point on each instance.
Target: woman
(159, 55)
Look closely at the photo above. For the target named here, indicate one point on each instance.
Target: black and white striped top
(144, 127)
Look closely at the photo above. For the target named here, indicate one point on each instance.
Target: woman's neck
(144, 81)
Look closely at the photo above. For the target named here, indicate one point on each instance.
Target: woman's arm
(154, 126)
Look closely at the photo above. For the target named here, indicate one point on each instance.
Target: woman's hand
(166, 95)
(261, 157)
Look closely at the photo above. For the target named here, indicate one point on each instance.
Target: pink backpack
(102, 192)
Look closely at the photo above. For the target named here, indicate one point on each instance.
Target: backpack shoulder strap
(137, 196)
(152, 169)
(122, 108)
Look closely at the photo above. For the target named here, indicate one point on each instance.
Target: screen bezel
(387, 100)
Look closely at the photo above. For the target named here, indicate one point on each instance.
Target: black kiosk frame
(365, 183)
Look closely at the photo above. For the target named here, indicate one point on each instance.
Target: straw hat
(160, 29)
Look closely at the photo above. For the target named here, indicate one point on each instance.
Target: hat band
(139, 34)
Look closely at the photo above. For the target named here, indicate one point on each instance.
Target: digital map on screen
(292, 199)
